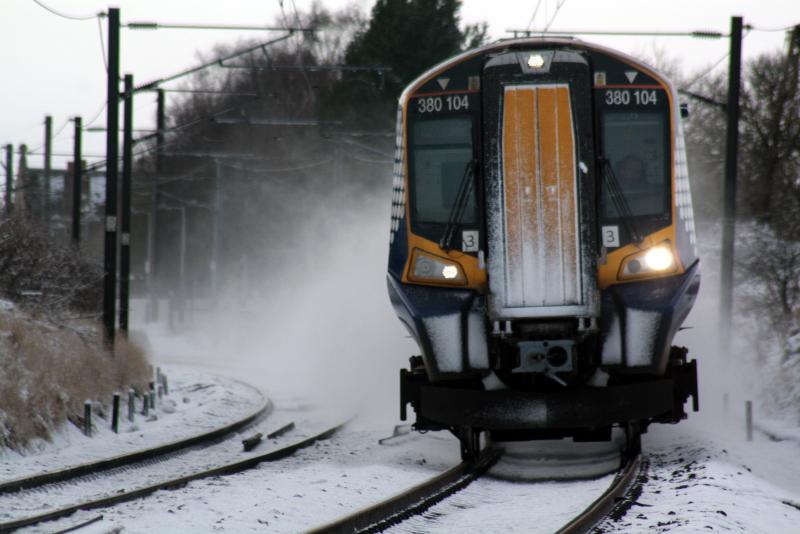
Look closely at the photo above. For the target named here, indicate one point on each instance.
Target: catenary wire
(710, 69)
(535, 11)
(52, 137)
(782, 29)
(555, 14)
(62, 15)
(102, 42)
(96, 115)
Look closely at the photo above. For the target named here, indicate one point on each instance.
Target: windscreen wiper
(459, 206)
(617, 196)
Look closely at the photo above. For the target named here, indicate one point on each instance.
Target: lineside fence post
(115, 414)
(748, 416)
(87, 418)
(131, 404)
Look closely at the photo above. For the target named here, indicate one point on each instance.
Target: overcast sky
(52, 65)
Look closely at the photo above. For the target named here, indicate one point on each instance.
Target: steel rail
(413, 501)
(607, 502)
(227, 469)
(80, 525)
(122, 460)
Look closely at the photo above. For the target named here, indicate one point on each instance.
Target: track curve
(91, 468)
(226, 469)
(420, 498)
(607, 502)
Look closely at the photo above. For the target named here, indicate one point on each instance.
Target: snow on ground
(699, 479)
(491, 505)
(704, 477)
(198, 402)
(314, 486)
(777, 430)
(22, 504)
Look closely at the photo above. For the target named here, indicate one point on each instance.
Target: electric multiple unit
(542, 244)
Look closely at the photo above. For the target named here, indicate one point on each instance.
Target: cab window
(635, 144)
(441, 155)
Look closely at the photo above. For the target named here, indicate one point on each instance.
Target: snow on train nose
(537, 272)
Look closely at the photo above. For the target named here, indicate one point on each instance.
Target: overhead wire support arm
(700, 34)
(206, 92)
(217, 62)
(704, 99)
(146, 25)
(273, 122)
(155, 148)
(311, 68)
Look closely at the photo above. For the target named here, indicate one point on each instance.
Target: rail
(123, 496)
(607, 502)
(413, 501)
(91, 468)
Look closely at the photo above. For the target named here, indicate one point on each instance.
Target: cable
(278, 169)
(558, 8)
(283, 15)
(535, 11)
(785, 28)
(298, 55)
(102, 42)
(375, 161)
(648, 33)
(707, 71)
(714, 66)
(62, 15)
(96, 115)
(52, 137)
(219, 61)
(296, 13)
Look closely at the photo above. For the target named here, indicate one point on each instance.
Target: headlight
(655, 260)
(659, 258)
(426, 267)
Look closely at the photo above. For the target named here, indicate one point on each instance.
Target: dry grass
(48, 370)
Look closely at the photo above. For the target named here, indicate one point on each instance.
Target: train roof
(520, 42)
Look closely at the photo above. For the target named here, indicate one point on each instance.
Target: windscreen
(635, 143)
(441, 153)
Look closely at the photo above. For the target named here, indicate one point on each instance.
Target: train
(542, 246)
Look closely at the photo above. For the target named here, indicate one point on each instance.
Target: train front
(542, 244)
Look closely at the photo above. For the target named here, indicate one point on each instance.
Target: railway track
(612, 501)
(117, 485)
(99, 466)
(420, 498)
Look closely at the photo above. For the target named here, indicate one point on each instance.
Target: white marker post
(748, 417)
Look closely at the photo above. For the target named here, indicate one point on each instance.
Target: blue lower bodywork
(639, 320)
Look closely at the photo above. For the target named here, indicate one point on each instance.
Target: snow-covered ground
(698, 480)
(198, 402)
(702, 476)
(702, 473)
